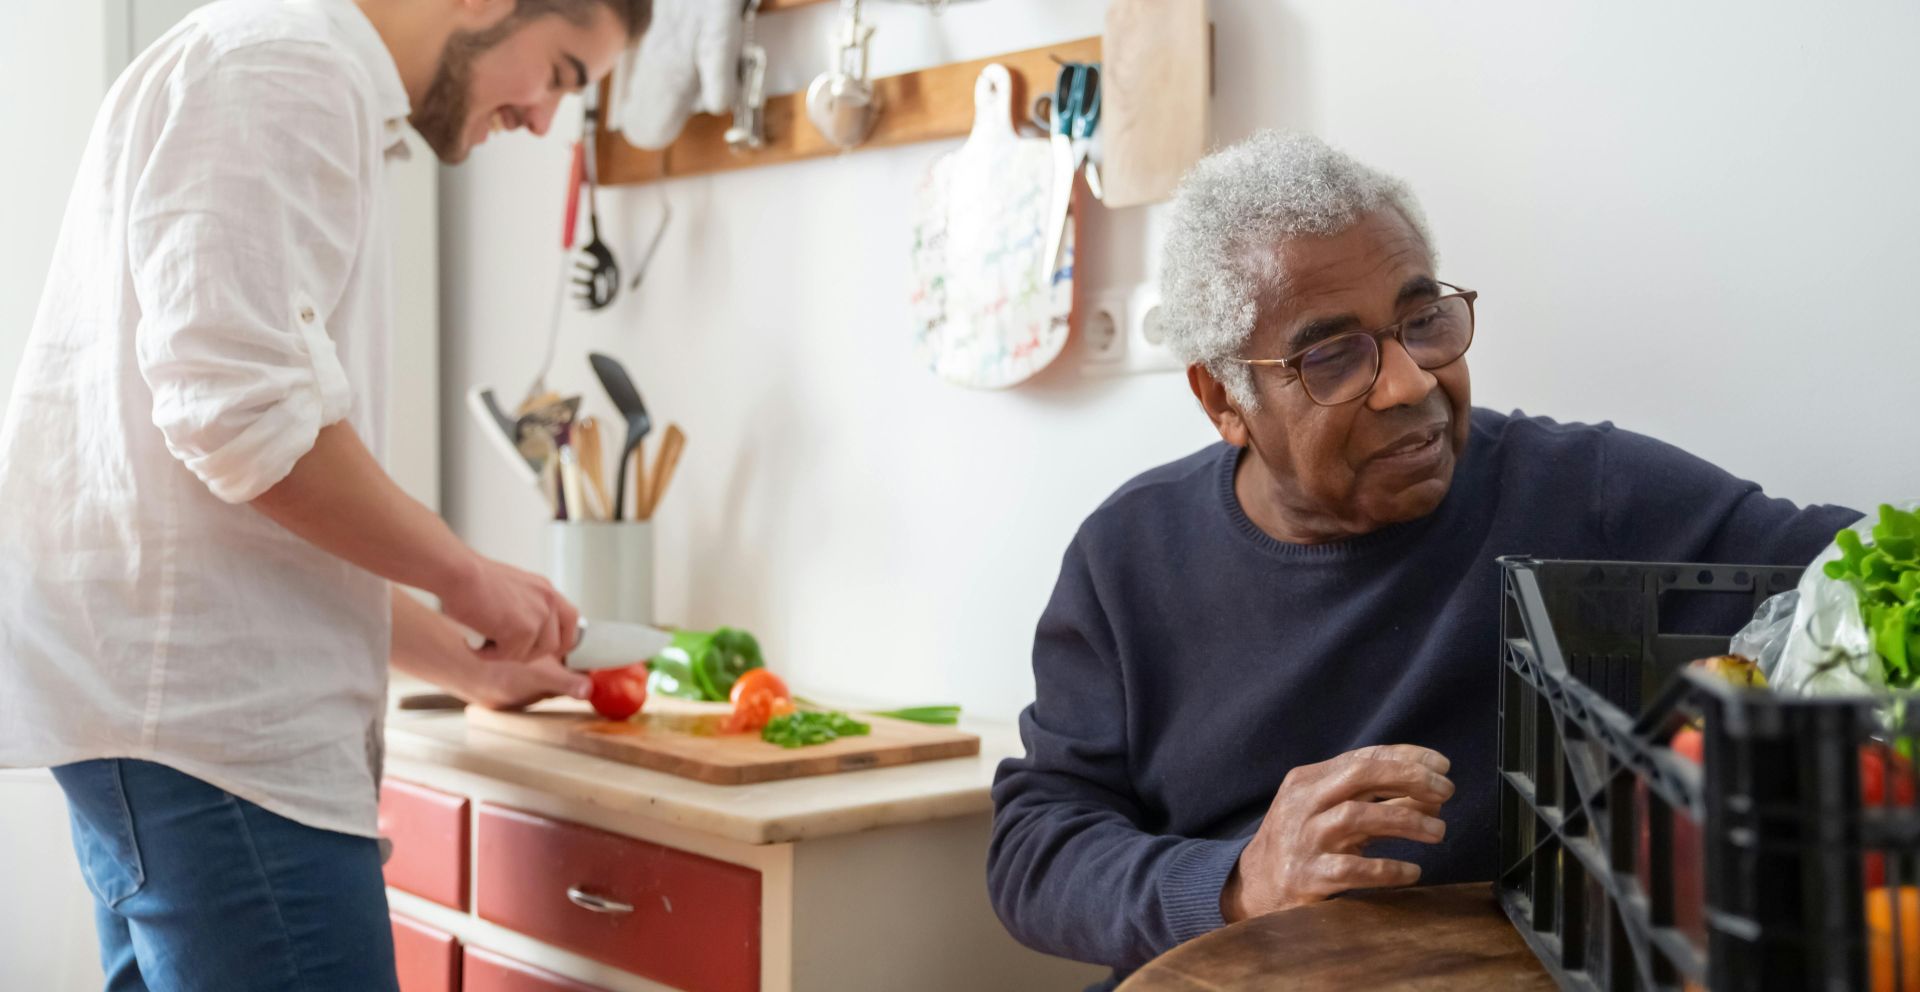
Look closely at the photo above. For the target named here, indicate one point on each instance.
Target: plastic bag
(1764, 638)
(1813, 641)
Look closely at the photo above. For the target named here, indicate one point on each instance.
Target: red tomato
(1688, 881)
(1688, 743)
(618, 693)
(756, 680)
(1877, 763)
(1875, 759)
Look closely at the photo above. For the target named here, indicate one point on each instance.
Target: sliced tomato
(750, 713)
(618, 693)
(758, 696)
(752, 710)
(757, 680)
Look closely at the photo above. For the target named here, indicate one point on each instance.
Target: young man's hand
(427, 646)
(504, 685)
(519, 613)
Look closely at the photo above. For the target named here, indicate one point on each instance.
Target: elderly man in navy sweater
(1267, 675)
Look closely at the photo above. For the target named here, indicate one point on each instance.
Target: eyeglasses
(1344, 367)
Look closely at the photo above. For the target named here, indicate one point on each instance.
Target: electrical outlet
(1103, 333)
(1147, 349)
(1121, 334)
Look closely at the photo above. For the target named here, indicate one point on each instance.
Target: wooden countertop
(768, 813)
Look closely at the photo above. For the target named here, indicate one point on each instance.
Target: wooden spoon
(586, 446)
(665, 462)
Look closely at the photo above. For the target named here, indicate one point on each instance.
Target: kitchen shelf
(924, 105)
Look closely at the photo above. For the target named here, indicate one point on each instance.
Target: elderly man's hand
(1308, 846)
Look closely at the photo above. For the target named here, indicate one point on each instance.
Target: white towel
(688, 63)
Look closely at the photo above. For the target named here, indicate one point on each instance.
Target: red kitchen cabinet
(428, 960)
(428, 829)
(678, 918)
(489, 972)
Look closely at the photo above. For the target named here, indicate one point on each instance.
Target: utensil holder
(605, 568)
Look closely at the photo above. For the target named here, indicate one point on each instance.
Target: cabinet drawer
(428, 960)
(489, 972)
(680, 919)
(429, 833)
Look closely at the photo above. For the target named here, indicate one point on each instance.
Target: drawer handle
(596, 904)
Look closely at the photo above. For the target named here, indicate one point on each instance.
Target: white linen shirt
(220, 291)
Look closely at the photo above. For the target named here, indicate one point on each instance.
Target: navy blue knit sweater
(1187, 660)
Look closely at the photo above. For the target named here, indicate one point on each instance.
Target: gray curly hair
(1230, 212)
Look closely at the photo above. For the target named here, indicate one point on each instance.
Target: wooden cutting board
(1156, 85)
(685, 742)
(984, 316)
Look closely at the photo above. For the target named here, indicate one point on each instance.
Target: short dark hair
(634, 15)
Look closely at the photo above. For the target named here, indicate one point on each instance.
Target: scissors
(1071, 120)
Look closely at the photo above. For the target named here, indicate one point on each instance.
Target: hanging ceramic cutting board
(1156, 85)
(983, 315)
(684, 740)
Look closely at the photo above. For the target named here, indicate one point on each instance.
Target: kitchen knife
(612, 644)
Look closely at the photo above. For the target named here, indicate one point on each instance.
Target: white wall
(54, 64)
(1695, 220)
(53, 59)
(413, 384)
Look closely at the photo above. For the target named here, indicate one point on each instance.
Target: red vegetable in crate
(1688, 879)
(1689, 744)
(1876, 760)
(1688, 866)
(618, 693)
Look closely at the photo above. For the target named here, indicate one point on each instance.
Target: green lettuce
(1886, 575)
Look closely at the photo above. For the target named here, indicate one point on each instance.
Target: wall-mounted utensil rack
(924, 105)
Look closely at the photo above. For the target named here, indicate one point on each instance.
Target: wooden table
(1438, 938)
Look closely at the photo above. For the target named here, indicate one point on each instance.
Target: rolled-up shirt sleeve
(243, 230)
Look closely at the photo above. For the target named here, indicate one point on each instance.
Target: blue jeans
(196, 889)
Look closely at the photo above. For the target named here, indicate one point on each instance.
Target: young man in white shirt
(200, 556)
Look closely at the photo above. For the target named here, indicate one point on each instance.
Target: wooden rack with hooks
(925, 105)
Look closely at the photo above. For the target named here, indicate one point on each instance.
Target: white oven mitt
(687, 63)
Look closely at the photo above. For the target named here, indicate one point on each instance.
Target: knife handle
(432, 701)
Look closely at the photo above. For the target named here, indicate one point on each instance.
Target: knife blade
(613, 644)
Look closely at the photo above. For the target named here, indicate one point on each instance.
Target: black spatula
(626, 398)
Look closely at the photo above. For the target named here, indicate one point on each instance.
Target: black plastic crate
(1626, 866)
